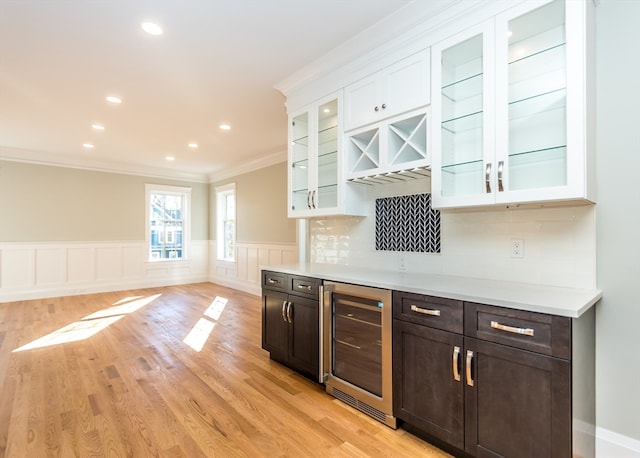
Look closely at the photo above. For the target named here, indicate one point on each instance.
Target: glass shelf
(463, 123)
(463, 167)
(537, 104)
(538, 169)
(464, 88)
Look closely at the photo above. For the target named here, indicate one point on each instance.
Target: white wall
(559, 242)
(618, 228)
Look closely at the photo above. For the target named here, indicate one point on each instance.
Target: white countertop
(569, 302)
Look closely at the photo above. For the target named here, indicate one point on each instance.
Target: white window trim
(221, 192)
(186, 230)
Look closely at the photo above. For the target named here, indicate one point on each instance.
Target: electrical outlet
(517, 248)
(402, 263)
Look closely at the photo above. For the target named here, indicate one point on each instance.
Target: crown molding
(72, 162)
(250, 166)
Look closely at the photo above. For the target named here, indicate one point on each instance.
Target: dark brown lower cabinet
(290, 321)
(428, 389)
(517, 403)
(510, 385)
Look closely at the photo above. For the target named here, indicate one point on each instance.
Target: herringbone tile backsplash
(407, 223)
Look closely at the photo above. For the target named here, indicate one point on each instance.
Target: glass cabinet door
(536, 148)
(300, 193)
(463, 108)
(326, 195)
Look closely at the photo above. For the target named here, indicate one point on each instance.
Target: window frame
(222, 192)
(185, 194)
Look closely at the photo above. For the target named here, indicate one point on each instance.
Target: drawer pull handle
(271, 281)
(469, 361)
(456, 363)
(415, 308)
(307, 287)
(512, 329)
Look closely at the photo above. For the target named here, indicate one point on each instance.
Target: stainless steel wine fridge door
(357, 348)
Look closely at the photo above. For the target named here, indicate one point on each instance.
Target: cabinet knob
(384, 105)
(376, 108)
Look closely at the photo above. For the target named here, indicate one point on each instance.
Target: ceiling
(216, 62)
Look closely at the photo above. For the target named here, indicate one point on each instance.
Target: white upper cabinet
(509, 108)
(316, 184)
(399, 88)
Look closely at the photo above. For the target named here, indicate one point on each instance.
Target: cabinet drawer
(274, 280)
(436, 312)
(305, 286)
(537, 332)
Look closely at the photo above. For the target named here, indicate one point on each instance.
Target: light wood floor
(135, 388)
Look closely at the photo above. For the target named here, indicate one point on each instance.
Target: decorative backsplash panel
(407, 223)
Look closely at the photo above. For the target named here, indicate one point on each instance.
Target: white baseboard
(97, 288)
(240, 285)
(610, 444)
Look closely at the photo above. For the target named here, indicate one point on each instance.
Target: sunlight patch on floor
(201, 331)
(199, 334)
(91, 324)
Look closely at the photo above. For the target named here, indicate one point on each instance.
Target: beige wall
(47, 203)
(261, 209)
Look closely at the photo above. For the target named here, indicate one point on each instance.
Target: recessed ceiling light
(225, 126)
(170, 158)
(193, 145)
(152, 28)
(97, 126)
(326, 110)
(87, 145)
(113, 99)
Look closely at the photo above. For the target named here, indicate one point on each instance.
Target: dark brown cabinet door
(275, 327)
(428, 380)
(304, 335)
(519, 405)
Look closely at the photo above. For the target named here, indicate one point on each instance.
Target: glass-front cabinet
(315, 178)
(509, 108)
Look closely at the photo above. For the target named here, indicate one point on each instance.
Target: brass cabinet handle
(503, 327)
(500, 170)
(469, 361)
(415, 308)
(289, 319)
(487, 177)
(456, 361)
(284, 306)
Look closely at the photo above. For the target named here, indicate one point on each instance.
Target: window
(167, 220)
(226, 222)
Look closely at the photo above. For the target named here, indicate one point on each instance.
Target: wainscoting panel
(39, 270)
(244, 273)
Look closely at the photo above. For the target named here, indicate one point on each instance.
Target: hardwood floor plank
(114, 375)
